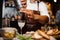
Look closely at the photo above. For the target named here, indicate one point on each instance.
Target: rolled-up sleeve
(43, 10)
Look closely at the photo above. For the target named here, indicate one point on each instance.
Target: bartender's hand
(29, 13)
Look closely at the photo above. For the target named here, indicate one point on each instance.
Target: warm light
(55, 0)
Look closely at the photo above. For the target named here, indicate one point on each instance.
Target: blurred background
(9, 14)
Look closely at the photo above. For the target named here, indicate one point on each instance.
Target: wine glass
(21, 24)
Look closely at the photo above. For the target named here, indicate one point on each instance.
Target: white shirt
(32, 6)
(42, 7)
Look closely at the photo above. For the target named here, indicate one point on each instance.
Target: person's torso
(32, 24)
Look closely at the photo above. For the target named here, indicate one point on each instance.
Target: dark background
(55, 6)
(1, 1)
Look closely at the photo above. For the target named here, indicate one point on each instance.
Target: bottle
(12, 21)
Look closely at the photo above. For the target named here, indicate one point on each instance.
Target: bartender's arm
(42, 19)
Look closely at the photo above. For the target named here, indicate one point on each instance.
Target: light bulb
(55, 0)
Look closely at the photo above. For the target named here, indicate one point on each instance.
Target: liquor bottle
(12, 20)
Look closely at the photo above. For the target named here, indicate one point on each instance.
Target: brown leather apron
(31, 24)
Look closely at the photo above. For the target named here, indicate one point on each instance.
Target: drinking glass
(21, 24)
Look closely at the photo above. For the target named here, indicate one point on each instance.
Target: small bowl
(8, 32)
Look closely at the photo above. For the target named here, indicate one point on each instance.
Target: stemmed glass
(21, 22)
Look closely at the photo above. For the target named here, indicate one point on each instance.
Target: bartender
(36, 14)
(34, 17)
